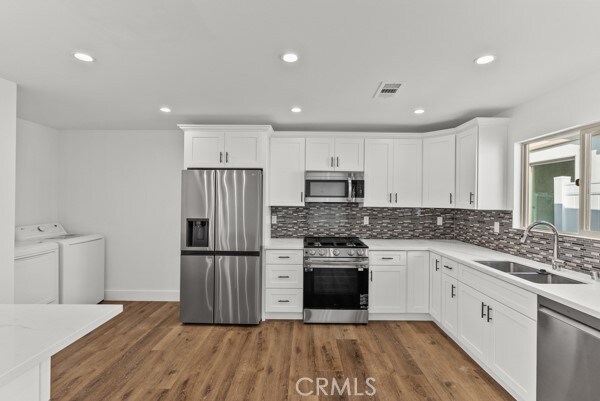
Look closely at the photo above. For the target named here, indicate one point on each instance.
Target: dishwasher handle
(565, 319)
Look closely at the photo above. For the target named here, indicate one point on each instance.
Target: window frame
(585, 134)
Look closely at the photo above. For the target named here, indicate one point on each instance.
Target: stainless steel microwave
(334, 187)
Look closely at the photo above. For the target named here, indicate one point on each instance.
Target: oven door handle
(337, 266)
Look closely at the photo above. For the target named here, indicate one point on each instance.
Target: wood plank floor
(145, 354)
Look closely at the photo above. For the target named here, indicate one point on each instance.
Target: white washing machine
(36, 272)
(81, 261)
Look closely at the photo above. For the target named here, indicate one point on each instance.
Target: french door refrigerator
(221, 238)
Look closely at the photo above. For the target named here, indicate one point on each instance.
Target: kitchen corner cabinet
(224, 146)
(439, 171)
(435, 286)
(286, 171)
(481, 154)
(393, 172)
(334, 154)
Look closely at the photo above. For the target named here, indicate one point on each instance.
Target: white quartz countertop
(583, 297)
(30, 334)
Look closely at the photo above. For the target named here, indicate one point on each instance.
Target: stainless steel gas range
(336, 280)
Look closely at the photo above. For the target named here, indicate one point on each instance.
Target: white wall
(8, 118)
(37, 174)
(574, 104)
(126, 185)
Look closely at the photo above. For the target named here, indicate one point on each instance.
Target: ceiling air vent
(387, 89)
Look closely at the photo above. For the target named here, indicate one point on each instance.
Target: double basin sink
(528, 273)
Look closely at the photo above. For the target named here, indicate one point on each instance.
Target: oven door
(339, 285)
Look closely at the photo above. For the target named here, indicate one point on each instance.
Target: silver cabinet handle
(226, 157)
(452, 294)
(396, 197)
(471, 200)
(220, 157)
(338, 161)
(450, 197)
(331, 161)
(284, 301)
(283, 276)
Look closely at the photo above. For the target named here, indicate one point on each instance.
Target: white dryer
(81, 267)
(36, 272)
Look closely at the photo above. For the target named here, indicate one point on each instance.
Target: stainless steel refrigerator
(221, 238)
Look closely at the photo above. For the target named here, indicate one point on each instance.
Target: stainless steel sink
(528, 273)
(507, 267)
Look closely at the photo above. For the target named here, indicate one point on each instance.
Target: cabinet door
(417, 289)
(512, 353)
(379, 162)
(387, 289)
(408, 172)
(204, 149)
(287, 172)
(435, 286)
(449, 304)
(349, 154)
(466, 169)
(244, 149)
(473, 328)
(438, 171)
(320, 154)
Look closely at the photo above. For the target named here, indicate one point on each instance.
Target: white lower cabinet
(417, 291)
(450, 304)
(387, 289)
(283, 279)
(283, 300)
(473, 327)
(435, 286)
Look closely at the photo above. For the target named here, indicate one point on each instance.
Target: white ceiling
(218, 61)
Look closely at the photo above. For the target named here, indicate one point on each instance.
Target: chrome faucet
(555, 259)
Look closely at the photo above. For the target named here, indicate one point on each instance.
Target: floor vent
(387, 89)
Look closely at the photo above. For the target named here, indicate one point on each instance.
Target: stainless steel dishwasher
(568, 354)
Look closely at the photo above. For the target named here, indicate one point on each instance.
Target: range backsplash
(470, 226)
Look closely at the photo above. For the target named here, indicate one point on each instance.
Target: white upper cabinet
(481, 154)
(438, 171)
(286, 171)
(225, 146)
(379, 177)
(334, 154)
(393, 172)
(408, 172)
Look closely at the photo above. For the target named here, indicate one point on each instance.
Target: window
(561, 181)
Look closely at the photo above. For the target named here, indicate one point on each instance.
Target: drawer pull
(283, 257)
(283, 276)
(284, 301)
(387, 258)
(448, 267)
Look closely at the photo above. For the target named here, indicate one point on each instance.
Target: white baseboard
(141, 295)
(400, 316)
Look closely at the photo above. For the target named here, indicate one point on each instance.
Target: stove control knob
(351, 252)
(322, 252)
(360, 252)
(336, 252)
(311, 252)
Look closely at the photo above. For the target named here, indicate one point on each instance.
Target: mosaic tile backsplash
(470, 226)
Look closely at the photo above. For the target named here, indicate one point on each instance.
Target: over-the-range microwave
(334, 187)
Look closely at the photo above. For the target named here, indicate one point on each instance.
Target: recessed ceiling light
(290, 57)
(296, 109)
(83, 57)
(165, 109)
(419, 111)
(488, 58)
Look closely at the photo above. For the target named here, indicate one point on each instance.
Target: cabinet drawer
(284, 257)
(283, 300)
(284, 276)
(510, 295)
(450, 267)
(383, 258)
